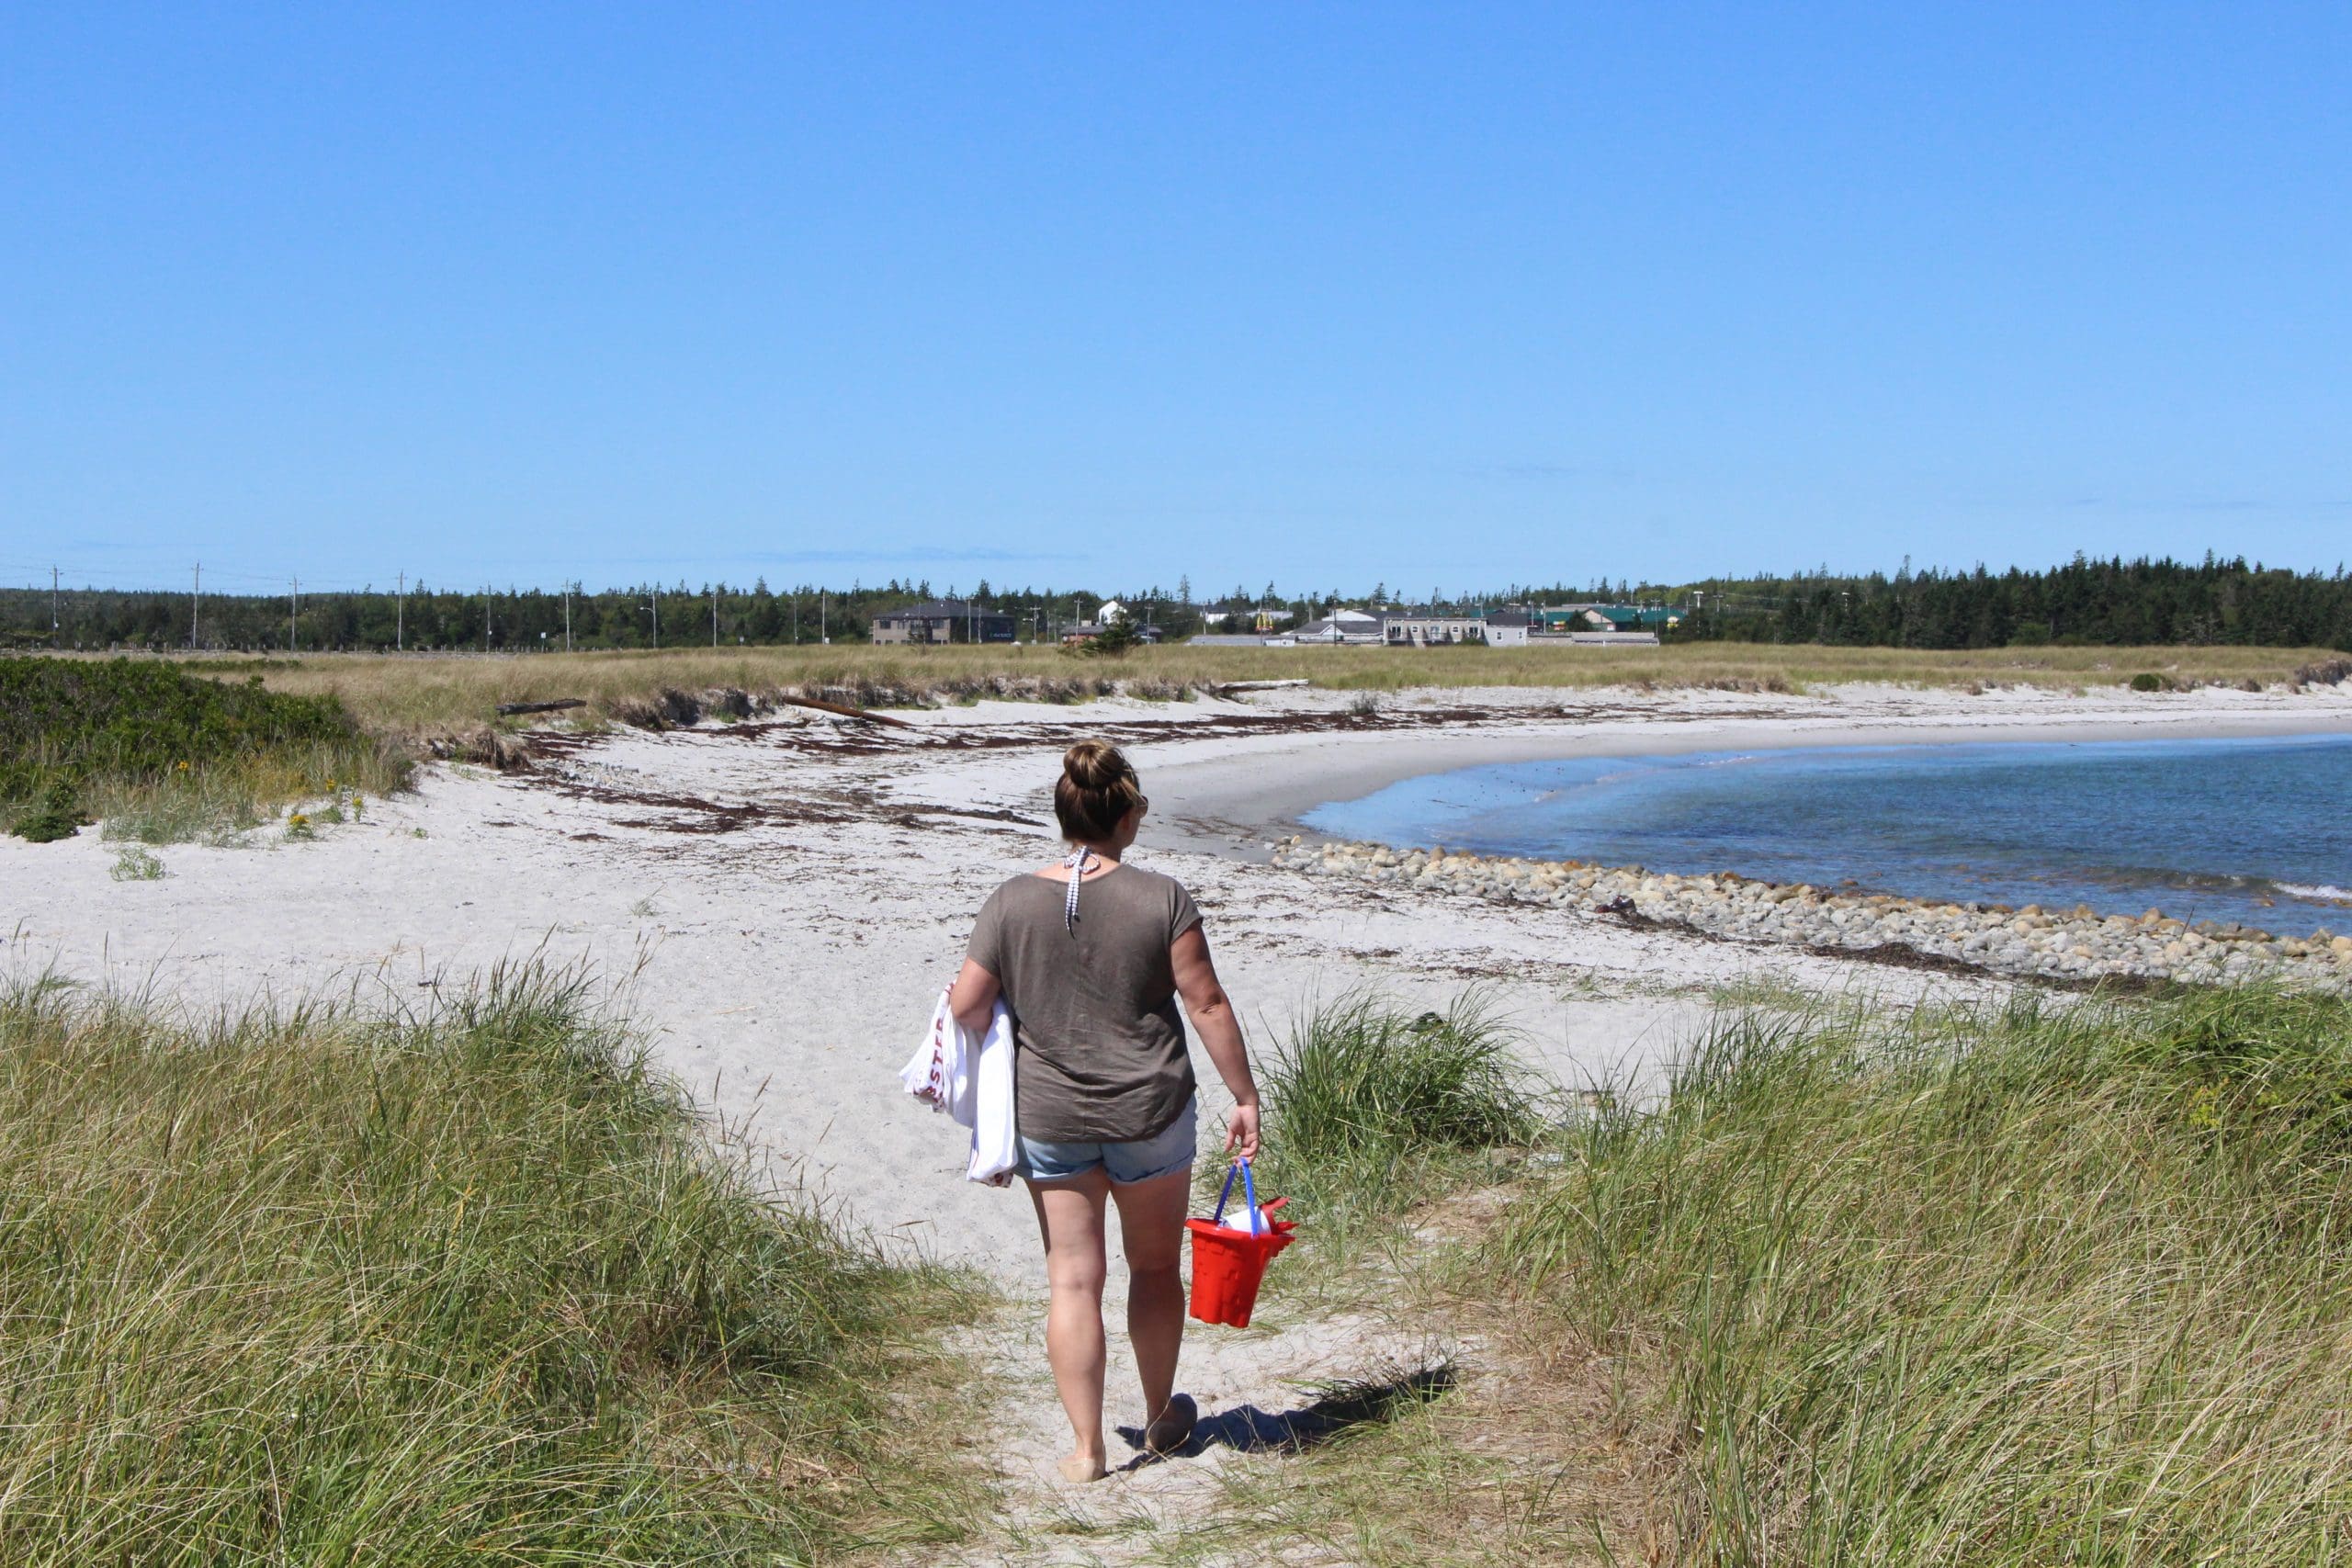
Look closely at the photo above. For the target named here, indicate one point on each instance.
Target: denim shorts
(1138, 1159)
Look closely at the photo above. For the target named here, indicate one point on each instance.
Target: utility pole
(52, 604)
(657, 617)
(567, 617)
(820, 618)
(195, 598)
(795, 620)
(485, 617)
(293, 608)
(399, 618)
(714, 614)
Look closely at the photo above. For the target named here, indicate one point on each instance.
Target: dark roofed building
(943, 620)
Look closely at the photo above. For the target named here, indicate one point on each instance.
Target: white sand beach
(778, 902)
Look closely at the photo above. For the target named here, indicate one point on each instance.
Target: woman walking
(1090, 955)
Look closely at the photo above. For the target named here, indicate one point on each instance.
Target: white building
(1424, 628)
(1341, 626)
(1507, 629)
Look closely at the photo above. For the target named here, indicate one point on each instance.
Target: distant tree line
(2110, 602)
(424, 618)
(2085, 602)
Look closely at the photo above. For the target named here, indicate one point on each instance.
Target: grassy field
(2021, 1285)
(321, 1286)
(418, 693)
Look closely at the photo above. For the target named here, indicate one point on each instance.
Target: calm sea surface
(2259, 832)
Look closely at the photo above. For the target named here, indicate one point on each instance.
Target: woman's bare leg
(1069, 1217)
(1151, 1223)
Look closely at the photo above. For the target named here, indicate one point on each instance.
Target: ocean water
(2253, 831)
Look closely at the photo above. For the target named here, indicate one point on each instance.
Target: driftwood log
(1259, 685)
(845, 711)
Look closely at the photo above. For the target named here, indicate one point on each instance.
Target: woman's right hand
(1241, 1132)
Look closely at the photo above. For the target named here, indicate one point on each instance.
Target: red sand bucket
(1228, 1264)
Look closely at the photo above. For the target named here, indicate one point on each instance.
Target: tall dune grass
(224, 797)
(314, 1285)
(1372, 1105)
(2043, 1285)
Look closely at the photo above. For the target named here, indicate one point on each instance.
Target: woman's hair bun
(1095, 764)
(1096, 791)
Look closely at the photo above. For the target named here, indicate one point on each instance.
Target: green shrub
(53, 817)
(1115, 640)
(135, 863)
(312, 1286)
(2148, 680)
(143, 738)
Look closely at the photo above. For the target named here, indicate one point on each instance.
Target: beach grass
(2041, 1281)
(1373, 1104)
(413, 694)
(325, 1283)
(1383, 1118)
(2046, 1283)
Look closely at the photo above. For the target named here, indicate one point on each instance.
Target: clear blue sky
(1444, 296)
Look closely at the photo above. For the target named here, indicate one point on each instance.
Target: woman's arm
(973, 998)
(1212, 1014)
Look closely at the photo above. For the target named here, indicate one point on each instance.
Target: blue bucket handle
(1248, 1188)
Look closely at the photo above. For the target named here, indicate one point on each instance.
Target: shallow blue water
(2259, 832)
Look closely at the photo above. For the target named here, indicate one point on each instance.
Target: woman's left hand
(1241, 1132)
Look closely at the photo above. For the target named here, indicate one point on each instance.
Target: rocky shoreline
(2070, 947)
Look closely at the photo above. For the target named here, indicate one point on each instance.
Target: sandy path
(784, 900)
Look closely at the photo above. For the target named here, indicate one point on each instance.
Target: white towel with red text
(970, 1079)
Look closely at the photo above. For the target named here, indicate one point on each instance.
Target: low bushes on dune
(142, 739)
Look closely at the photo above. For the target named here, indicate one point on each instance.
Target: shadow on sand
(1337, 1409)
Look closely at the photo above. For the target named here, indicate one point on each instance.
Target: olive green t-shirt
(1099, 1052)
